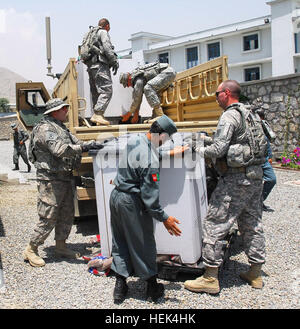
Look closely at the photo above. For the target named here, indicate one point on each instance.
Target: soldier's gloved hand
(199, 150)
(115, 68)
(86, 146)
(98, 145)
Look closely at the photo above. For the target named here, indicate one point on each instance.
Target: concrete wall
(283, 46)
(280, 98)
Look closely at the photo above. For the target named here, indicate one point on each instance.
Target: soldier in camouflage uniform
(20, 137)
(55, 152)
(99, 73)
(151, 80)
(237, 197)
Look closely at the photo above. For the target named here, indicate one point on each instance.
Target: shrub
(291, 160)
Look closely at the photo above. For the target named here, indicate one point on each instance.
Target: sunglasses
(219, 92)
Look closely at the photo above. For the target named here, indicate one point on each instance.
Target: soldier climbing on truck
(151, 80)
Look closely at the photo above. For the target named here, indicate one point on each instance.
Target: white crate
(182, 195)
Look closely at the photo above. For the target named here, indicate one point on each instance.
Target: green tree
(4, 105)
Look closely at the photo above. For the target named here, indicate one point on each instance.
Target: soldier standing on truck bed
(55, 152)
(20, 137)
(98, 54)
(151, 80)
(237, 196)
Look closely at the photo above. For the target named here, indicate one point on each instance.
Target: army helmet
(13, 126)
(54, 104)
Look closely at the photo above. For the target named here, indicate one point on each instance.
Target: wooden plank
(86, 193)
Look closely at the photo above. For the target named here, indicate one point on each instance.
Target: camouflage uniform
(55, 152)
(99, 72)
(20, 150)
(150, 80)
(236, 197)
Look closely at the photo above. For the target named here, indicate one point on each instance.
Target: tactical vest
(148, 71)
(250, 147)
(40, 155)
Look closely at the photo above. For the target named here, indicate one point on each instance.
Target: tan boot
(208, 283)
(62, 250)
(99, 120)
(253, 276)
(157, 113)
(31, 254)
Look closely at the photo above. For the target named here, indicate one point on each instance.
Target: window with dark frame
(163, 58)
(297, 42)
(252, 73)
(213, 50)
(250, 42)
(192, 57)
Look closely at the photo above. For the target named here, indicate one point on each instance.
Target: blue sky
(22, 26)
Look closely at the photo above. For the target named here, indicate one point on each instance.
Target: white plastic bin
(182, 195)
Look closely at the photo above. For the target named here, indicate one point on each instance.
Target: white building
(258, 48)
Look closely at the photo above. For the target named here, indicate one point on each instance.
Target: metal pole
(48, 43)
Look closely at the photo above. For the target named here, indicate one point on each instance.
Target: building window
(163, 58)
(297, 42)
(252, 73)
(213, 50)
(192, 57)
(250, 42)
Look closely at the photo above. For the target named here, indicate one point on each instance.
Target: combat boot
(157, 113)
(99, 120)
(16, 167)
(31, 254)
(62, 250)
(208, 283)
(120, 289)
(253, 276)
(154, 290)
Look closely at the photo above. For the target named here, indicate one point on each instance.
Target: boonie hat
(124, 79)
(13, 125)
(54, 104)
(167, 124)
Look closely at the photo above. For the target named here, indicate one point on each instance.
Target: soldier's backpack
(253, 149)
(87, 48)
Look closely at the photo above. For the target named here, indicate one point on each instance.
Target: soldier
(55, 152)
(150, 79)
(133, 203)
(20, 137)
(237, 196)
(99, 72)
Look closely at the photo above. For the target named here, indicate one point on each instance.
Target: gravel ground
(67, 284)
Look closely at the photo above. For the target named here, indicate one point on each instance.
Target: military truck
(190, 102)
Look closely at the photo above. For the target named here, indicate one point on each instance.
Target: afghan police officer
(20, 137)
(55, 152)
(133, 204)
(236, 197)
(151, 80)
(99, 72)
(269, 177)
